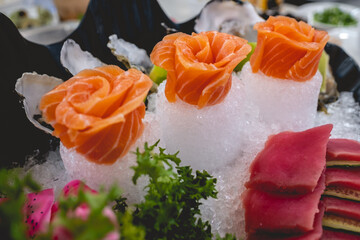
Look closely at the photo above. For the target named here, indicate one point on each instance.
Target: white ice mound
(283, 104)
(225, 213)
(75, 60)
(344, 114)
(49, 174)
(120, 173)
(222, 139)
(207, 138)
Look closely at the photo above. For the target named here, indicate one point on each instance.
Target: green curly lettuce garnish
(171, 206)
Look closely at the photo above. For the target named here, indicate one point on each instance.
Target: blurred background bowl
(312, 8)
(71, 9)
(50, 34)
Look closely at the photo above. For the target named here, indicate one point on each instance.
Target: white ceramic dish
(50, 34)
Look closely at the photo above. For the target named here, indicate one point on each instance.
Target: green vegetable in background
(335, 16)
(23, 20)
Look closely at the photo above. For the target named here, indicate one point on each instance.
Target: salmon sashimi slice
(98, 112)
(287, 49)
(199, 66)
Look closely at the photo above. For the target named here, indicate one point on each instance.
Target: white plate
(50, 34)
(182, 10)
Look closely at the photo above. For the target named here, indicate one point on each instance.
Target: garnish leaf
(171, 206)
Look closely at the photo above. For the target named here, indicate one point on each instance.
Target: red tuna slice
(343, 149)
(38, 211)
(338, 235)
(281, 213)
(343, 177)
(317, 232)
(314, 234)
(291, 161)
(342, 207)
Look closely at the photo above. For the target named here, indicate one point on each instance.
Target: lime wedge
(242, 63)
(157, 74)
(323, 68)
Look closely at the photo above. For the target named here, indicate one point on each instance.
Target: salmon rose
(199, 66)
(98, 112)
(287, 49)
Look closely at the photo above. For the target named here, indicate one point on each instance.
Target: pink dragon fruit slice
(38, 211)
(72, 188)
(54, 210)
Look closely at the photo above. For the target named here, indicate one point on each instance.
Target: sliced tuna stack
(342, 194)
(282, 200)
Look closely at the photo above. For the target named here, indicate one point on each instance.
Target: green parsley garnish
(171, 206)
